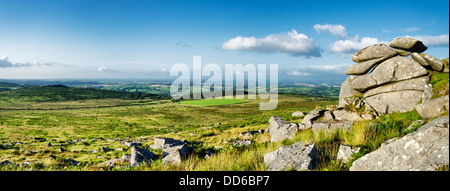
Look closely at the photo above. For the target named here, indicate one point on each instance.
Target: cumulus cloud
(292, 43)
(5, 63)
(351, 46)
(317, 70)
(336, 30)
(346, 43)
(441, 40)
(297, 73)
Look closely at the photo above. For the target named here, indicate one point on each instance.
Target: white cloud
(336, 30)
(5, 63)
(441, 40)
(293, 43)
(411, 29)
(333, 67)
(351, 46)
(103, 69)
(386, 30)
(297, 73)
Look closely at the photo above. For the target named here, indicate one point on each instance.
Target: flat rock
(417, 84)
(373, 52)
(434, 107)
(408, 44)
(435, 63)
(423, 150)
(399, 101)
(395, 69)
(280, 129)
(344, 115)
(296, 156)
(365, 66)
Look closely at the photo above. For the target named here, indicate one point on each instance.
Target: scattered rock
(139, 154)
(174, 155)
(241, 143)
(298, 114)
(39, 139)
(6, 163)
(310, 117)
(132, 143)
(49, 144)
(434, 107)
(423, 150)
(296, 156)
(250, 134)
(280, 129)
(105, 149)
(162, 143)
(345, 153)
(408, 44)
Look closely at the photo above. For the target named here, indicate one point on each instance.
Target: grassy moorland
(77, 127)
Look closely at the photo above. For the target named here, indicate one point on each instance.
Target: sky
(74, 39)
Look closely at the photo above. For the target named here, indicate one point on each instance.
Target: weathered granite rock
(346, 91)
(427, 93)
(408, 44)
(298, 114)
(174, 155)
(138, 155)
(401, 52)
(365, 66)
(241, 143)
(345, 153)
(310, 117)
(392, 70)
(280, 129)
(435, 63)
(296, 156)
(423, 150)
(417, 84)
(434, 107)
(162, 143)
(344, 115)
(373, 52)
(416, 56)
(399, 101)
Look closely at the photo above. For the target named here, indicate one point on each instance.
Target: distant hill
(63, 93)
(5, 86)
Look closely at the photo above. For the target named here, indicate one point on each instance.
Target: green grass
(210, 102)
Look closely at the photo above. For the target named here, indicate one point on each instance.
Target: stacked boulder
(386, 79)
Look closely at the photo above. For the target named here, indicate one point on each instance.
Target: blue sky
(143, 39)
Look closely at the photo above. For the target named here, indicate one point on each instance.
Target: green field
(209, 102)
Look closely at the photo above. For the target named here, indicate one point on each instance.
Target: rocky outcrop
(296, 156)
(423, 150)
(174, 155)
(395, 84)
(280, 129)
(345, 153)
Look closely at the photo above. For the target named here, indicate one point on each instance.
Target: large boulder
(435, 63)
(434, 107)
(408, 44)
(374, 52)
(392, 70)
(423, 150)
(280, 129)
(296, 156)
